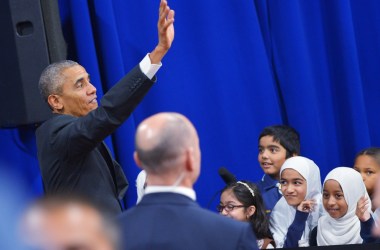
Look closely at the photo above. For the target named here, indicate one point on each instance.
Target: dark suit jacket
(74, 160)
(174, 221)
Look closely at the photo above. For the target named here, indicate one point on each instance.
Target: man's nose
(91, 89)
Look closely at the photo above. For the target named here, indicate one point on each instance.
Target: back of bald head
(162, 139)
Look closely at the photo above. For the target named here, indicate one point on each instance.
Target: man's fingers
(163, 4)
(171, 15)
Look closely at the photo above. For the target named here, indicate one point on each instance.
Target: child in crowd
(298, 211)
(140, 185)
(367, 163)
(242, 201)
(342, 190)
(276, 144)
(375, 232)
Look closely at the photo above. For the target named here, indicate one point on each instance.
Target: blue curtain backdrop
(234, 68)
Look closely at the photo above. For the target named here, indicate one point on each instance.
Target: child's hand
(306, 206)
(362, 209)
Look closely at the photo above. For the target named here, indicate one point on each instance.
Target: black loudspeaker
(31, 39)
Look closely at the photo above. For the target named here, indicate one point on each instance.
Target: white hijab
(283, 214)
(345, 230)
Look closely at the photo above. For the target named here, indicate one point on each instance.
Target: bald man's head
(162, 141)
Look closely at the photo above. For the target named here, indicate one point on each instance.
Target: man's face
(271, 156)
(71, 226)
(78, 95)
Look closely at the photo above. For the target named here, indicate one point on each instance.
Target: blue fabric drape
(233, 69)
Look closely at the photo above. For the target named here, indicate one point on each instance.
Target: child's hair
(248, 194)
(287, 136)
(374, 152)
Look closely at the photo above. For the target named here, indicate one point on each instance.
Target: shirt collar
(269, 182)
(179, 190)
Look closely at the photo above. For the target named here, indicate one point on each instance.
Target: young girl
(342, 190)
(298, 211)
(242, 201)
(367, 163)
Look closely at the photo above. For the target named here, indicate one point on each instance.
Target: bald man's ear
(137, 159)
(190, 161)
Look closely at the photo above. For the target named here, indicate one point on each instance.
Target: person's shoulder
(56, 121)
(57, 118)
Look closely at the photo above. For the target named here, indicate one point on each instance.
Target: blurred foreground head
(64, 223)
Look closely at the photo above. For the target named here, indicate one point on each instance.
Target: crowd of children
(289, 207)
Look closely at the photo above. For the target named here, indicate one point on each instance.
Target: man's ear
(55, 102)
(189, 159)
(137, 159)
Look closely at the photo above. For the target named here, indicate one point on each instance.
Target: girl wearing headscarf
(298, 211)
(342, 189)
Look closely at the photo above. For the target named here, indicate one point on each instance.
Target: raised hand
(362, 209)
(165, 28)
(306, 206)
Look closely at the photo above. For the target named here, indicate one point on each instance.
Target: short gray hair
(51, 78)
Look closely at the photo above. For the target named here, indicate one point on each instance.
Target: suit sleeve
(247, 239)
(116, 106)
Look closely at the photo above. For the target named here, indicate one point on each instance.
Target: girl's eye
(369, 173)
(282, 182)
(325, 196)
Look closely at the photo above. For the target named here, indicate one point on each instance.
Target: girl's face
(293, 186)
(369, 169)
(333, 199)
(233, 208)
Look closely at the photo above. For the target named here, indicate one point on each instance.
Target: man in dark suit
(73, 158)
(167, 217)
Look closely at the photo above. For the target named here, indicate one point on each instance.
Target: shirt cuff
(148, 68)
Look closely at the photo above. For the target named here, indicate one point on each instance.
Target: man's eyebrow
(82, 78)
(79, 80)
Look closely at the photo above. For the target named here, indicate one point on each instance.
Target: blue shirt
(366, 231)
(270, 191)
